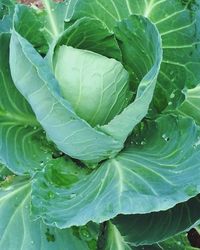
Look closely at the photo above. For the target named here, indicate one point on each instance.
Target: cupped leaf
(19, 231)
(89, 34)
(158, 170)
(191, 106)
(72, 135)
(55, 16)
(178, 25)
(143, 229)
(23, 147)
(97, 87)
(140, 44)
(29, 22)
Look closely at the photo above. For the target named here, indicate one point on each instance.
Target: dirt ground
(35, 2)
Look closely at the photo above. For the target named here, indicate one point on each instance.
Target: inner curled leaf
(96, 86)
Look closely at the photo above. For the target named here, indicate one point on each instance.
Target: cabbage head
(96, 86)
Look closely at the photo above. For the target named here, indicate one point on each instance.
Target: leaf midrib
(18, 119)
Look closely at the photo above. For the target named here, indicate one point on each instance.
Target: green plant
(99, 124)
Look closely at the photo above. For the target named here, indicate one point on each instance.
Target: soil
(37, 3)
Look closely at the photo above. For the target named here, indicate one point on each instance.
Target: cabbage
(96, 86)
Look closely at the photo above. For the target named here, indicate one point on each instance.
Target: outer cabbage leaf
(191, 106)
(143, 55)
(54, 18)
(178, 25)
(159, 170)
(112, 239)
(29, 22)
(178, 242)
(143, 229)
(6, 15)
(72, 135)
(19, 231)
(23, 146)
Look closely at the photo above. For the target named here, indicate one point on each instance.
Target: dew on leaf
(172, 95)
(41, 163)
(165, 137)
(84, 233)
(51, 195)
(73, 195)
(191, 190)
(196, 144)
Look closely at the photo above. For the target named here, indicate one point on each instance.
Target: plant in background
(99, 124)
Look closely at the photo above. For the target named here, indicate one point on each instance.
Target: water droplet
(143, 142)
(172, 95)
(84, 233)
(34, 127)
(173, 79)
(51, 195)
(165, 137)
(191, 190)
(73, 195)
(169, 103)
(41, 163)
(197, 143)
